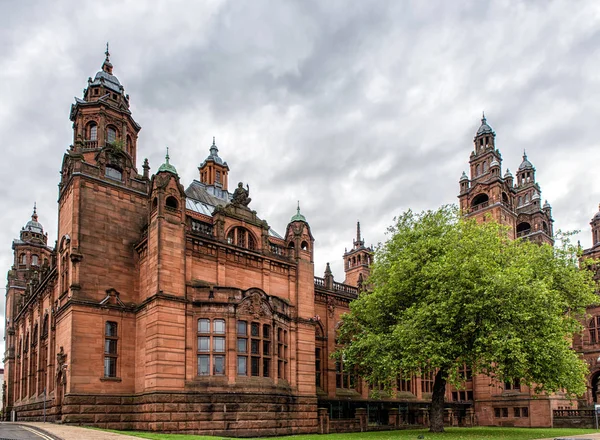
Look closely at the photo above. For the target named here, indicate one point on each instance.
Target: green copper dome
(298, 217)
(167, 166)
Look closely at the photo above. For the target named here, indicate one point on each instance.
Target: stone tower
(357, 261)
(489, 194)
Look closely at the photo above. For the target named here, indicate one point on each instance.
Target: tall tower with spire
(489, 194)
(357, 261)
(104, 131)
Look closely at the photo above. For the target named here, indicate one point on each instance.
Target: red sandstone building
(179, 309)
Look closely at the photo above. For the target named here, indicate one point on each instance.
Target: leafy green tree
(446, 291)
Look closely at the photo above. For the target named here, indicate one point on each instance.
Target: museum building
(167, 308)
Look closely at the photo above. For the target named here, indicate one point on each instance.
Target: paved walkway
(67, 432)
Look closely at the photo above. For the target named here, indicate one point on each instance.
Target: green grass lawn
(450, 434)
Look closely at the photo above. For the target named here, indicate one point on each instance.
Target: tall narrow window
(282, 353)
(211, 347)
(93, 132)
(594, 329)
(110, 349)
(34, 260)
(111, 135)
(427, 382)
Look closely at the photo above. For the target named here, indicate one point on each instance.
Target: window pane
(203, 365)
(266, 367)
(203, 343)
(93, 133)
(203, 326)
(266, 348)
(266, 331)
(255, 346)
(219, 365)
(242, 328)
(111, 329)
(110, 367)
(255, 366)
(110, 346)
(219, 326)
(242, 345)
(218, 344)
(242, 366)
(111, 135)
(255, 329)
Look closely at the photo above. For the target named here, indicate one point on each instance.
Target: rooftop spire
(483, 120)
(358, 231)
(298, 217)
(167, 166)
(34, 216)
(107, 66)
(214, 151)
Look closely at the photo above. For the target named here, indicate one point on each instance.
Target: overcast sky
(359, 109)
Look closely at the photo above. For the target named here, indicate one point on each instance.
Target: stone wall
(233, 415)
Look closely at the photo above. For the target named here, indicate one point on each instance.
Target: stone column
(323, 420)
(361, 415)
(393, 417)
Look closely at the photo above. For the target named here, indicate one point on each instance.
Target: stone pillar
(469, 419)
(361, 415)
(323, 420)
(393, 417)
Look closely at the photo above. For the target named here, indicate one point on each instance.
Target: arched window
(545, 227)
(34, 260)
(477, 170)
(485, 167)
(479, 199)
(304, 246)
(92, 132)
(523, 228)
(241, 237)
(23, 259)
(171, 202)
(594, 329)
(111, 135)
(291, 245)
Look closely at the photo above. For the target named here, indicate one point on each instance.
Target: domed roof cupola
(597, 215)
(298, 217)
(525, 165)
(105, 76)
(33, 225)
(33, 229)
(213, 156)
(167, 167)
(484, 128)
(463, 177)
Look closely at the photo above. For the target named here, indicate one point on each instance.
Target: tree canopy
(446, 291)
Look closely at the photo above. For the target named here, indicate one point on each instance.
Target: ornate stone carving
(255, 306)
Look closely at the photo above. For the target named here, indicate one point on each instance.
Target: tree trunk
(436, 414)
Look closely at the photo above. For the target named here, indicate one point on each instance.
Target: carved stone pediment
(256, 304)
